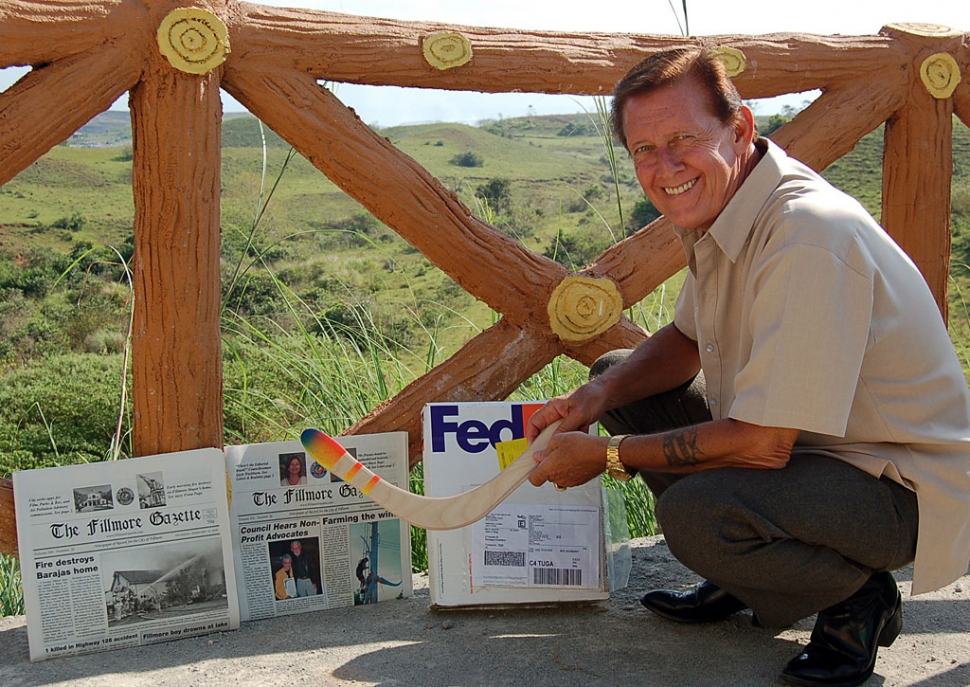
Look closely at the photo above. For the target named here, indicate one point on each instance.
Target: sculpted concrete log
(961, 96)
(916, 197)
(34, 33)
(835, 122)
(918, 162)
(961, 106)
(68, 93)
(176, 344)
(641, 262)
(341, 47)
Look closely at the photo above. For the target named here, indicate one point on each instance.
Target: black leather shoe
(703, 604)
(842, 649)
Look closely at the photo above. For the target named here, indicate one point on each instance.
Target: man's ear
(744, 127)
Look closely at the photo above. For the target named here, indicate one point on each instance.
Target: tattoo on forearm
(680, 448)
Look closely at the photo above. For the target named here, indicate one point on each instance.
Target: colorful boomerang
(447, 513)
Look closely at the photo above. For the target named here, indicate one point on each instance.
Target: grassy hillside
(549, 172)
(79, 195)
(558, 197)
(94, 180)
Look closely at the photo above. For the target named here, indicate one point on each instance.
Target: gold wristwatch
(614, 468)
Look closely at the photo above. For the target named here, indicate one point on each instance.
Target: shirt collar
(733, 226)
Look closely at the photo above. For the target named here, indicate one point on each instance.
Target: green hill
(547, 182)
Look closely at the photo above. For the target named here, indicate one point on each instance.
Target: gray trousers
(787, 542)
(304, 587)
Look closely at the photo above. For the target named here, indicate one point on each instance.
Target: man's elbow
(772, 443)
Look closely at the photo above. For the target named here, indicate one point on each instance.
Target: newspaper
(304, 540)
(125, 553)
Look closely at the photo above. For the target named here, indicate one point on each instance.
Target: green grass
(11, 589)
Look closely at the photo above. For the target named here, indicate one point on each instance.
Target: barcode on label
(557, 576)
(508, 559)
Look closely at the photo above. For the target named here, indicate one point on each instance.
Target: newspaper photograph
(304, 540)
(125, 553)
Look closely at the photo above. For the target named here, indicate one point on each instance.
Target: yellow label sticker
(508, 451)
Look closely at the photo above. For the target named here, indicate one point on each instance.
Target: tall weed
(11, 590)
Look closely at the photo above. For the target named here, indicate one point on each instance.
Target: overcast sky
(389, 106)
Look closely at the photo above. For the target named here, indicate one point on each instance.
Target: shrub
(572, 129)
(62, 409)
(467, 159)
(577, 249)
(498, 194)
(643, 214)
(73, 223)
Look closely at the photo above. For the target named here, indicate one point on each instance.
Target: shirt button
(710, 348)
(712, 401)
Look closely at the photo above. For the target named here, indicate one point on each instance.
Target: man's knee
(681, 505)
(608, 360)
(699, 520)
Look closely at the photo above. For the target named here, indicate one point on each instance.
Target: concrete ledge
(614, 643)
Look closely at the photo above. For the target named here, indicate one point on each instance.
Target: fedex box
(539, 546)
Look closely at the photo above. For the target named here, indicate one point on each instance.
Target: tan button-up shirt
(807, 315)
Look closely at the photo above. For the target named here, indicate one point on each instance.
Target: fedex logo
(475, 436)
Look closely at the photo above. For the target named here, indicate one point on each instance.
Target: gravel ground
(404, 642)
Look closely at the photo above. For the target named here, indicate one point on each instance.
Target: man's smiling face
(688, 162)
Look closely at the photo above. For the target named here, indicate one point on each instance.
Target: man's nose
(668, 160)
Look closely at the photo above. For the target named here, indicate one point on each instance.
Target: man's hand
(570, 459)
(577, 409)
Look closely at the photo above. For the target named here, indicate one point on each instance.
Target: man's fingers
(539, 475)
(542, 418)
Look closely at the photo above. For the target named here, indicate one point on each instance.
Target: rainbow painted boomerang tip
(446, 513)
(331, 455)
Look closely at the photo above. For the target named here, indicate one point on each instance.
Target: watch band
(614, 467)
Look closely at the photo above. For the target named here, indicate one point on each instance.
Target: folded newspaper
(125, 553)
(304, 540)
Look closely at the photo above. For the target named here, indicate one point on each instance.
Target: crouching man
(804, 421)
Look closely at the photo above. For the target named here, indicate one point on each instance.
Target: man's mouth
(683, 188)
